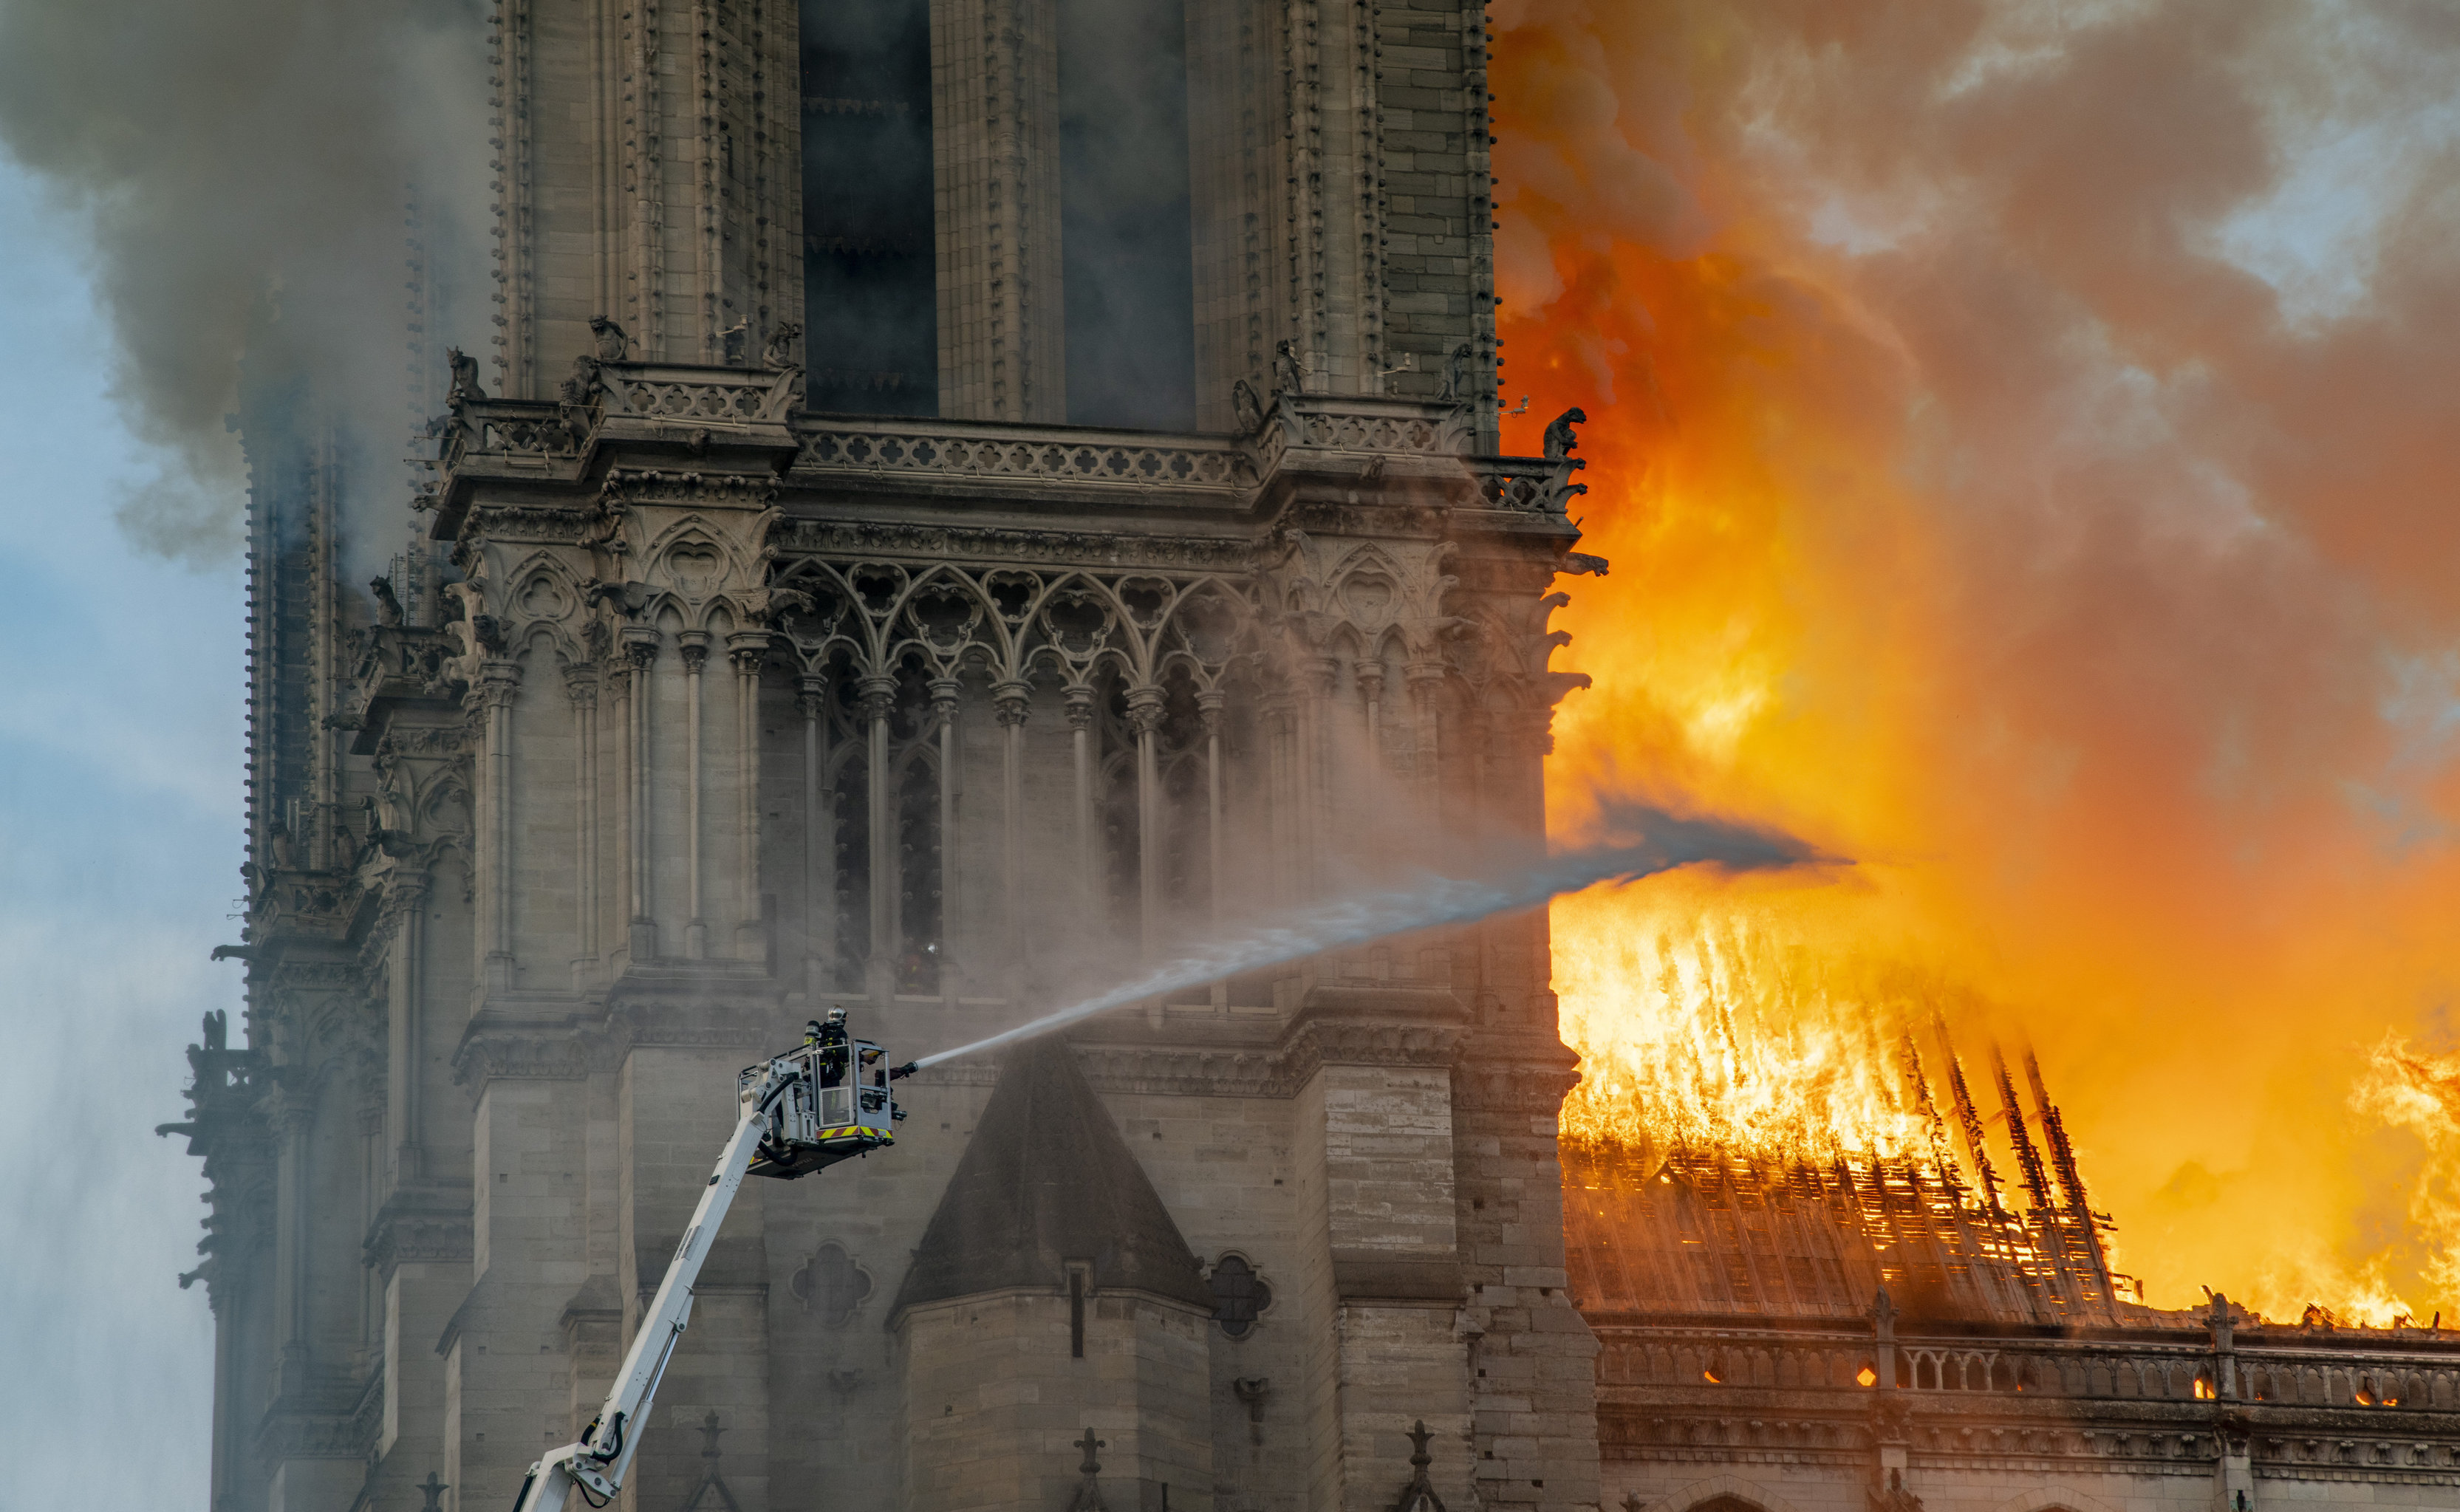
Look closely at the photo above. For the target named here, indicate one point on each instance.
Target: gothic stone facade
(717, 696)
(719, 708)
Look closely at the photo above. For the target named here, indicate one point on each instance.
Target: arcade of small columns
(1216, 742)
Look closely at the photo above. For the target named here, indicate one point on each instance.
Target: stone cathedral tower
(964, 499)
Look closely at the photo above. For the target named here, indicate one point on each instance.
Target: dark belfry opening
(1127, 248)
(871, 310)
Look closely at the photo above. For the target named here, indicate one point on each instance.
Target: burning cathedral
(957, 504)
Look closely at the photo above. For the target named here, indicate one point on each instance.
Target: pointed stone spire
(1088, 1496)
(1047, 1179)
(1419, 1495)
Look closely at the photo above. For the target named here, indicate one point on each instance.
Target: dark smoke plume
(246, 171)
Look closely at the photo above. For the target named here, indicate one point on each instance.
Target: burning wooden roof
(1691, 1230)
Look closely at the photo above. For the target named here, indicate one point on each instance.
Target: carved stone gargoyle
(464, 386)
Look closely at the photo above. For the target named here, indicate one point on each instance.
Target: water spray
(1427, 902)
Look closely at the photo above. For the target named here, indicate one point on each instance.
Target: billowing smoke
(2025, 439)
(259, 177)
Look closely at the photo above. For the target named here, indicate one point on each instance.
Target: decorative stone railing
(1530, 485)
(514, 429)
(1342, 423)
(693, 398)
(957, 451)
(2383, 1374)
(1366, 436)
(700, 395)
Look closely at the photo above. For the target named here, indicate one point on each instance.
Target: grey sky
(120, 768)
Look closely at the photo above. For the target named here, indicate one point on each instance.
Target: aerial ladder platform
(826, 1100)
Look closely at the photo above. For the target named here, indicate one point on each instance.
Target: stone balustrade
(1343, 434)
(2305, 1369)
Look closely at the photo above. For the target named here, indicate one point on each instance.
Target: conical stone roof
(1047, 1179)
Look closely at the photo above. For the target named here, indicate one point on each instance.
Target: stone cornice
(1520, 1073)
(336, 1426)
(1415, 1027)
(533, 1041)
(419, 1223)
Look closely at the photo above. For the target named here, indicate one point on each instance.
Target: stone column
(1144, 716)
(1080, 733)
(1280, 729)
(292, 1119)
(405, 907)
(500, 679)
(880, 971)
(1533, 1377)
(1315, 772)
(748, 650)
(694, 648)
(1010, 702)
(1209, 704)
(943, 712)
(581, 684)
(1375, 1143)
(1370, 686)
(506, 1363)
(640, 650)
(1426, 679)
(819, 920)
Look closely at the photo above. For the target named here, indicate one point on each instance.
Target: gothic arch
(445, 808)
(695, 529)
(542, 589)
(816, 633)
(943, 616)
(2053, 1499)
(562, 645)
(1211, 624)
(1729, 1490)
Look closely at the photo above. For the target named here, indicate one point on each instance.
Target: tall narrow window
(869, 284)
(1127, 250)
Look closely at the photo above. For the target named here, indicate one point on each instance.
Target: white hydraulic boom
(802, 1111)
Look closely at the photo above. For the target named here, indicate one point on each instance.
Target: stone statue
(613, 344)
(1457, 377)
(581, 390)
(1893, 1496)
(1289, 375)
(779, 354)
(465, 378)
(218, 1030)
(387, 604)
(1561, 441)
(1249, 409)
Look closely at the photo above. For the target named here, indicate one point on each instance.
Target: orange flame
(1700, 1038)
(1986, 504)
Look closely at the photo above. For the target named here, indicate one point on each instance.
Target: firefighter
(829, 1034)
